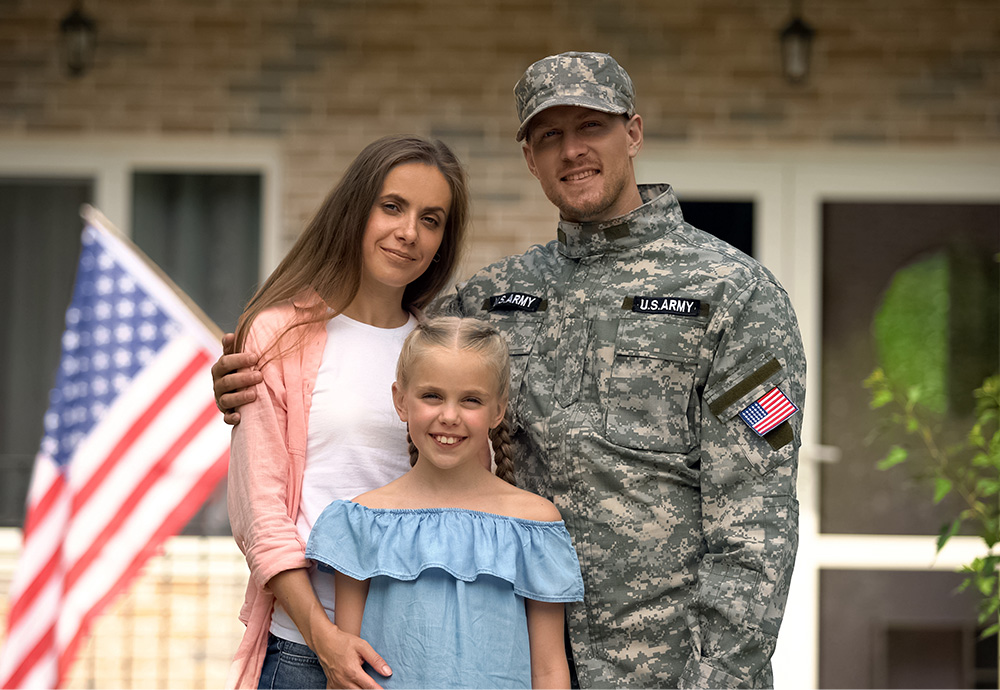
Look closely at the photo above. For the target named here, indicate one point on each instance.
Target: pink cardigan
(266, 464)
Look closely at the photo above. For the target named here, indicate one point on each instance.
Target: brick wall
(325, 77)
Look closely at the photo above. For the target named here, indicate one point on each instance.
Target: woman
(328, 325)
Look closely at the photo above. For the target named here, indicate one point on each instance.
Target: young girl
(453, 574)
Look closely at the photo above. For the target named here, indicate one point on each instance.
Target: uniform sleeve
(749, 506)
(259, 467)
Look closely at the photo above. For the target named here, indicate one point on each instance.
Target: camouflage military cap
(590, 80)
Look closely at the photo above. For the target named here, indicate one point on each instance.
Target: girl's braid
(413, 448)
(500, 438)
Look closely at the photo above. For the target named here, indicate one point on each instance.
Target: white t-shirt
(356, 442)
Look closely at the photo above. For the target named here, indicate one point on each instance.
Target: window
(40, 230)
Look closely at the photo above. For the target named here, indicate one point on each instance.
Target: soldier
(657, 377)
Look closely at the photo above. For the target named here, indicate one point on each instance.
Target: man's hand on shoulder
(233, 380)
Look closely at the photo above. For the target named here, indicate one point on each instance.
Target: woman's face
(405, 227)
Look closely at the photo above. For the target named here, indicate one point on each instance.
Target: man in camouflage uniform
(636, 343)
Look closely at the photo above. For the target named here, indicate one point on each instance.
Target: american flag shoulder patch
(768, 411)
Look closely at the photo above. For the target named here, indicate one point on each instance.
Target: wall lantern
(796, 46)
(77, 40)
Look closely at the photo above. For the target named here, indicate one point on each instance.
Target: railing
(175, 627)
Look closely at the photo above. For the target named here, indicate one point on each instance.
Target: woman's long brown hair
(327, 257)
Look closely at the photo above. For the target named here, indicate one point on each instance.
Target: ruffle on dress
(536, 557)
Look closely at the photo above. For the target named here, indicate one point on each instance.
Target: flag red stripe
(144, 420)
(23, 602)
(773, 420)
(37, 653)
(38, 510)
(158, 469)
(774, 393)
(171, 524)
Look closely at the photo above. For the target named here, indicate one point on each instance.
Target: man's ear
(399, 401)
(633, 130)
(529, 158)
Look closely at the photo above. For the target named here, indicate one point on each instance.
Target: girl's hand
(342, 655)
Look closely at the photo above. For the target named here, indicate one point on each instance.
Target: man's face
(583, 159)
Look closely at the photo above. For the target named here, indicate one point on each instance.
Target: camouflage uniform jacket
(635, 344)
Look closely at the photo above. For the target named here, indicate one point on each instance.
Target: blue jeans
(290, 665)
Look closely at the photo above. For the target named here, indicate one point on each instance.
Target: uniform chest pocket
(650, 391)
(520, 332)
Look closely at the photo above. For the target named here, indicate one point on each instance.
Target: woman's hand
(342, 655)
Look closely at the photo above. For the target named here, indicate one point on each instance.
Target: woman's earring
(437, 257)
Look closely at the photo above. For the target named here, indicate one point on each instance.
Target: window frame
(111, 162)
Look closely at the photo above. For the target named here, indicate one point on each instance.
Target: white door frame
(788, 188)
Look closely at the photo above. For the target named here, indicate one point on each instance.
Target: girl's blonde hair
(473, 335)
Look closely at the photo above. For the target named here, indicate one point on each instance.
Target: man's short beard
(584, 214)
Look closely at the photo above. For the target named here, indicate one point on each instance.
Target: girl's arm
(546, 639)
(341, 652)
(350, 598)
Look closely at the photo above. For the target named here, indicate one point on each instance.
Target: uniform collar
(658, 214)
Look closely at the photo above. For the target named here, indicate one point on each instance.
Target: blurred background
(855, 152)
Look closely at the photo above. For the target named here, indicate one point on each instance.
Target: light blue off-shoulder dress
(445, 604)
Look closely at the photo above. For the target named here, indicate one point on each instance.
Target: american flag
(768, 412)
(133, 446)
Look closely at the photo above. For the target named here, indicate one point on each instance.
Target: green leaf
(896, 456)
(990, 631)
(990, 604)
(976, 437)
(881, 398)
(947, 532)
(981, 460)
(988, 487)
(942, 487)
(986, 585)
(875, 379)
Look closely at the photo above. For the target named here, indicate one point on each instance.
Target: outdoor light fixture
(796, 45)
(78, 38)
